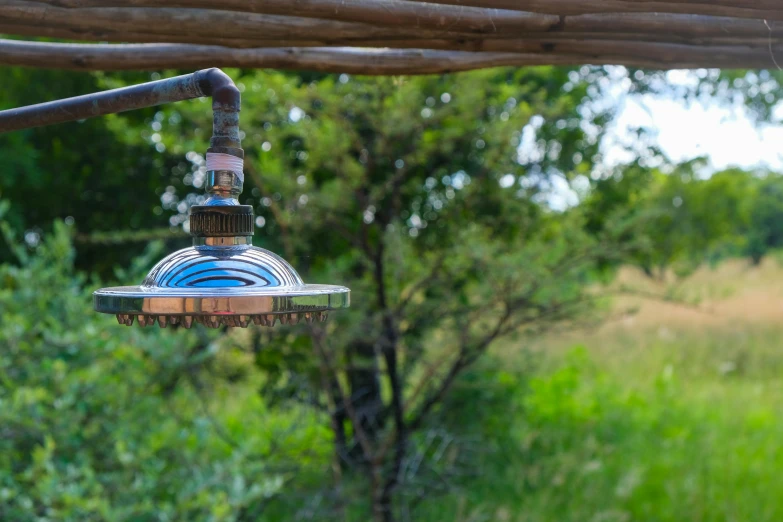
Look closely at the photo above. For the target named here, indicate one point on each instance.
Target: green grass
(653, 419)
(586, 443)
(674, 413)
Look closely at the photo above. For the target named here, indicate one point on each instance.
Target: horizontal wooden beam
(382, 13)
(455, 15)
(393, 36)
(374, 62)
(759, 10)
(107, 57)
(191, 24)
(527, 42)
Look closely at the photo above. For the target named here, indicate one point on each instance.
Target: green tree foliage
(679, 217)
(411, 191)
(694, 216)
(102, 422)
(103, 173)
(765, 228)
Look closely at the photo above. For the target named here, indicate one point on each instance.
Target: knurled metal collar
(221, 221)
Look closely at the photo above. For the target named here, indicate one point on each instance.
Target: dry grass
(720, 305)
(733, 292)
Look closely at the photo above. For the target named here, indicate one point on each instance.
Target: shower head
(223, 280)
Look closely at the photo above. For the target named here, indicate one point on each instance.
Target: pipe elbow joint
(226, 104)
(224, 92)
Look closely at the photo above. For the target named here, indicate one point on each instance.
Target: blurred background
(577, 270)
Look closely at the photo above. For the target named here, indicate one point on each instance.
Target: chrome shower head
(222, 280)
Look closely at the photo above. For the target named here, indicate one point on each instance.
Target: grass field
(674, 412)
(670, 410)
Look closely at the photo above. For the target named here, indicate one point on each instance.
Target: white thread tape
(218, 161)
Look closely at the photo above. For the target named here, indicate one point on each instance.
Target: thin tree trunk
(339, 416)
(365, 389)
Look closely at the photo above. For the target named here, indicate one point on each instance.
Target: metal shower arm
(223, 280)
(207, 82)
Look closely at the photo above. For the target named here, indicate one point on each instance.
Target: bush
(103, 422)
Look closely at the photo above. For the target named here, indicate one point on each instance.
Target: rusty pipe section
(226, 102)
(207, 82)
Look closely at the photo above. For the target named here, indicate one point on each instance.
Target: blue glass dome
(202, 267)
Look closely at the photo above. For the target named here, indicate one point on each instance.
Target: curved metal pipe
(226, 104)
(213, 82)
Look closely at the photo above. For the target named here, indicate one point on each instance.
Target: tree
(765, 228)
(676, 217)
(412, 193)
(104, 174)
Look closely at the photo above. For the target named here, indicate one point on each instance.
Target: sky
(725, 135)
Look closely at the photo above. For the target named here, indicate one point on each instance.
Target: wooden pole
(371, 61)
(454, 14)
(393, 36)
